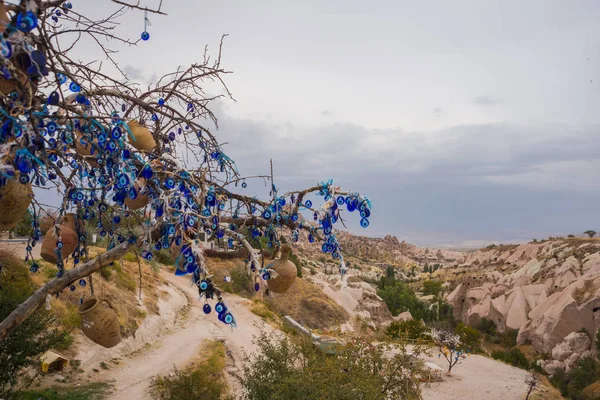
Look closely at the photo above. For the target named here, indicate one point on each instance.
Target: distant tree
(24, 226)
(571, 236)
(411, 329)
(532, 380)
(470, 337)
(412, 271)
(449, 346)
(431, 287)
(389, 272)
(534, 240)
(590, 233)
(400, 298)
(487, 326)
(426, 268)
(436, 267)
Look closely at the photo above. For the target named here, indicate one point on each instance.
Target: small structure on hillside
(52, 361)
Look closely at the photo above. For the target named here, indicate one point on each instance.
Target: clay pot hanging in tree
(100, 322)
(85, 151)
(69, 239)
(142, 137)
(46, 222)
(140, 200)
(15, 198)
(285, 269)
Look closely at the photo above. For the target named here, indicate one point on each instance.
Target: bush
(164, 257)
(487, 326)
(34, 336)
(24, 226)
(284, 368)
(204, 381)
(432, 288)
(514, 357)
(470, 337)
(582, 375)
(411, 329)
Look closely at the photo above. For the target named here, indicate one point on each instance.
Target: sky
(464, 122)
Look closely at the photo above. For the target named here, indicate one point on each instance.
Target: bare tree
(86, 131)
(448, 345)
(532, 381)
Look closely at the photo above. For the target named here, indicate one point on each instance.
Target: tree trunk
(28, 307)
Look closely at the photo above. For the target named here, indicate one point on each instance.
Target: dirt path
(478, 378)
(133, 375)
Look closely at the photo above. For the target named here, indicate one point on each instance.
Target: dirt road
(133, 375)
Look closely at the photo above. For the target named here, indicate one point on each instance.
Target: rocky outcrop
(356, 297)
(570, 310)
(566, 353)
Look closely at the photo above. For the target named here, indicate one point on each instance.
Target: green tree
(34, 336)
(24, 226)
(487, 326)
(470, 337)
(431, 287)
(590, 233)
(411, 329)
(412, 271)
(285, 368)
(582, 375)
(400, 297)
(389, 272)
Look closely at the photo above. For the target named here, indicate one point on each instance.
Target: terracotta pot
(142, 137)
(86, 151)
(286, 272)
(100, 323)
(4, 20)
(139, 202)
(15, 198)
(69, 240)
(70, 220)
(46, 223)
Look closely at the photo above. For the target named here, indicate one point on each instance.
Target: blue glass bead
(145, 36)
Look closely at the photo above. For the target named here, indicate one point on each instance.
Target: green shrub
(399, 298)
(106, 272)
(130, 257)
(24, 226)
(470, 337)
(294, 368)
(581, 376)
(164, 257)
(559, 380)
(487, 326)
(203, 381)
(514, 357)
(36, 335)
(411, 329)
(432, 288)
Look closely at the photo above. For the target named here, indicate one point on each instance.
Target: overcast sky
(464, 122)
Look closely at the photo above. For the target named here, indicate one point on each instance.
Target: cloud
(486, 101)
(437, 112)
(133, 73)
(454, 186)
